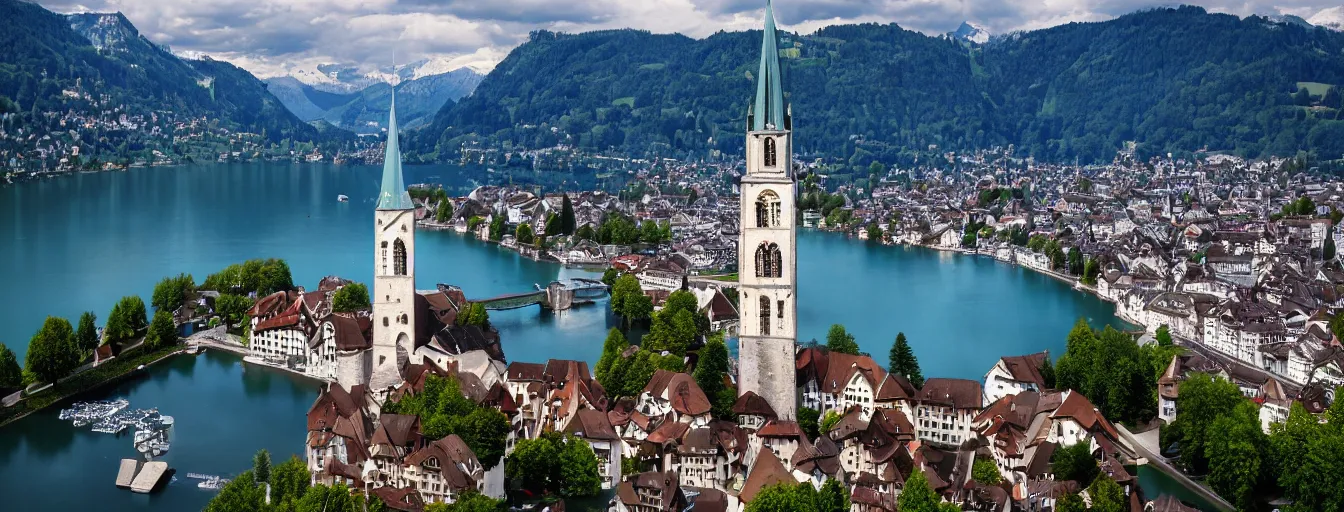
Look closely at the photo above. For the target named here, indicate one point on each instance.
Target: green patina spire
(769, 109)
(393, 195)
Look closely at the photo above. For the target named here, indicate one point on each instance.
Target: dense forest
(1173, 79)
(48, 53)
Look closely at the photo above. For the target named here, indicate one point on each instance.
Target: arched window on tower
(384, 251)
(767, 209)
(765, 316)
(769, 260)
(398, 258)
(769, 152)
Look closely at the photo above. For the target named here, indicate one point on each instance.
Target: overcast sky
(266, 36)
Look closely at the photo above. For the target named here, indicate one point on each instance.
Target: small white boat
(166, 420)
(343, 198)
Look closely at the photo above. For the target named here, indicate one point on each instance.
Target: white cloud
(273, 37)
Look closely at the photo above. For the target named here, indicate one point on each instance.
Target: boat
(166, 420)
(213, 483)
(343, 198)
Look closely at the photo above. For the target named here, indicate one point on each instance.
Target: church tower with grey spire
(393, 270)
(767, 267)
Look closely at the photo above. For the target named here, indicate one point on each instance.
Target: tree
(471, 501)
(833, 497)
(1201, 399)
(1163, 336)
(126, 320)
(232, 308)
(649, 232)
(549, 464)
(1236, 455)
(917, 496)
(485, 430)
(1075, 261)
(289, 481)
(874, 233)
(612, 349)
(351, 298)
(567, 221)
(51, 352)
(578, 469)
(1047, 372)
(261, 466)
(807, 421)
(710, 369)
(828, 422)
(524, 234)
(497, 228)
(162, 332)
(11, 376)
(586, 232)
(171, 292)
(242, 495)
(1074, 462)
(986, 472)
(1070, 503)
(1332, 97)
(444, 211)
(1290, 443)
(86, 336)
(1091, 270)
(785, 497)
(1107, 496)
(902, 361)
(1110, 370)
(840, 340)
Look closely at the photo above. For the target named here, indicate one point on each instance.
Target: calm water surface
(80, 242)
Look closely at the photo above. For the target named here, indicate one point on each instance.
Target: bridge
(558, 295)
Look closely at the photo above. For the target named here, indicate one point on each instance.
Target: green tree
(232, 308)
(1074, 462)
(611, 355)
(785, 497)
(902, 361)
(610, 275)
(444, 212)
(126, 320)
(808, 421)
(567, 221)
(51, 352)
(171, 292)
(1047, 372)
(833, 497)
(289, 481)
(840, 340)
(710, 369)
(86, 336)
(261, 466)
(11, 376)
(1091, 270)
(497, 228)
(986, 472)
(549, 464)
(1075, 261)
(828, 422)
(579, 476)
(351, 298)
(162, 331)
(1289, 443)
(1163, 336)
(1201, 399)
(1070, 503)
(1236, 455)
(242, 495)
(1107, 496)
(1328, 252)
(649, 232)
(471, 501)
(485, 430)
(524, 234)
(917, 495)
(586, 232)
(875, 233)
(1110, 370)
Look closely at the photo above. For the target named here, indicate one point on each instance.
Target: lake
(80, 242)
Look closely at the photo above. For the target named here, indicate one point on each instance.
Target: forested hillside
(1175, 80)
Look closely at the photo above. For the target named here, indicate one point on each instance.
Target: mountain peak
(1332, 18)
(105, 30)
(972, 32)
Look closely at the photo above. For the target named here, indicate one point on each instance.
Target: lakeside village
(1229, 266)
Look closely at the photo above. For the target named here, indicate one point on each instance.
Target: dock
(149, 476)
(127, 472)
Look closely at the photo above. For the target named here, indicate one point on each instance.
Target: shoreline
(130, 369)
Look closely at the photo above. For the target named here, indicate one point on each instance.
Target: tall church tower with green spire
(393, 271)
(768, 278)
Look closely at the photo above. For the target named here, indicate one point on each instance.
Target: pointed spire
(393, 195)
(768, 112)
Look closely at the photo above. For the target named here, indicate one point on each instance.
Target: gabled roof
(767, 471)
(1026, 368)
(592, 424)
(956, 393)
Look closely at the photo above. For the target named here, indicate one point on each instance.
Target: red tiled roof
(766, 472)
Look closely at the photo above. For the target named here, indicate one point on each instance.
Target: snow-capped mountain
(1332, 18)
(346, 78)
(972, 32)
(365, 110)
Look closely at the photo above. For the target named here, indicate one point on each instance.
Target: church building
(394, 271)
(766, 254)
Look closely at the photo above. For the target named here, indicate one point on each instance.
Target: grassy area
(628, 101)
(790, 53)
(1314, 88)
(104, 374)
(727, 278)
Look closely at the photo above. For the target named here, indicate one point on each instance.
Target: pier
(149, 476)
(126, 473)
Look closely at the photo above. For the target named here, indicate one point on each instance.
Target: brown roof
(592, 424)
(780, 428)
(895, 387)
(349, 335)
(766, 472)
(1078, 407)
(1027, 368)
(524, 372)
(751, 403)
(956, 393)
(406, 500)
(679, 389)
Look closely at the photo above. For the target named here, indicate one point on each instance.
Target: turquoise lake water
(80, 242)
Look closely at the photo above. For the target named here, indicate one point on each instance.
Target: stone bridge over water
(558, 296)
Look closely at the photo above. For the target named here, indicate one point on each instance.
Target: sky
(277, 37)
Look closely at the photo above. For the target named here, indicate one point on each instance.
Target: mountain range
(364, 110)
(1173, 80)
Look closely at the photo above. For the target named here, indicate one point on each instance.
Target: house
(593, 427)
(1014, 374)
(675, 394)
(944, 410)
(834, 381)
(443, 470)
(649, 492)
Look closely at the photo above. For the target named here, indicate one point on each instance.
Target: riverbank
(105, 374)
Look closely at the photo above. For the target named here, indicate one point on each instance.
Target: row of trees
(252, 277)
(1112, 371)
(443, 411)
(622, 375)
(802, 497)
(554, 464)
(901, 359)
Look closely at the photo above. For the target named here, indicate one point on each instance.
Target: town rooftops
(1026, 368)
(955, 393)
(767, 471)
(753, 404)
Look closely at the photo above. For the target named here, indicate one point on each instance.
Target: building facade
(766, 250)
(394, 271)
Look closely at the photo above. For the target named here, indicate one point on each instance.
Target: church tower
(767, 267)
(393, 271)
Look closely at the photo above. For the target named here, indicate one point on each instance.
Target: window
(769, 260)
(399, 258)
(767, 209)
(765, 316)
(384, 251)
(769, 152)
